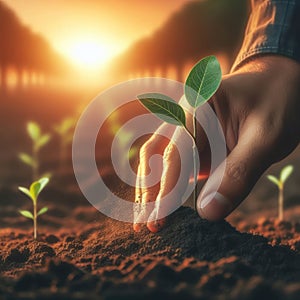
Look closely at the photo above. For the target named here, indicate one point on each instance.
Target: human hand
(258, 108)
(167, 171)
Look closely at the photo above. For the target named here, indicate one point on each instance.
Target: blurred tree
(199, 29)
(22, 49)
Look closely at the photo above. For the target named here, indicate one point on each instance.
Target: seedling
(38, 141)
(65, 132)
(33, 193)
(201, 84)
(123, 139)
(279, 182)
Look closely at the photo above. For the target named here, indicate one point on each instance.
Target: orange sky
(109, 26)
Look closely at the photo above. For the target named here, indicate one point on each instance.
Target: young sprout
(284, 175)
(201, 84)
(124, 138)
(38, 141)
(65, 132)
(33, 193)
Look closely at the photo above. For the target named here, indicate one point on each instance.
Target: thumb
(233, 180)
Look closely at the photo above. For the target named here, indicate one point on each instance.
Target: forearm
(273, 28)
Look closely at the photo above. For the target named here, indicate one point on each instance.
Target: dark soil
(85, 255)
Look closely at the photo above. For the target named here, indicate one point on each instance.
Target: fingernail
(137, 227)
(156, 226)
(153, 226)
(215, 206)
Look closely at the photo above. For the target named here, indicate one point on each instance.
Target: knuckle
(269, 135)
(149, 194)
(152, 146)
(146, 149)
(236, 171)
(170, 150)
(242, 177)
(265, 133)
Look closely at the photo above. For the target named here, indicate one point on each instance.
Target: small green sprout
(124, 137)
(201, 84)
(33, 193)
(65, 131)
(284, 175)
(38, 141)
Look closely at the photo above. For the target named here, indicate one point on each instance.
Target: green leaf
(125, 137)
(33, 130)
(164, 108)
(203, 81)
(42, 211)
(273, 179)
(68, 124)
(132, 152)
(114, 128)
(26, 214)
(27, 159)
(37, 186)
(65, 126)
(286, 172)
(25, 191)
(43, 140)
(34, 190)
(43, 181)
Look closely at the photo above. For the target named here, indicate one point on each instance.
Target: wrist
(269, 62)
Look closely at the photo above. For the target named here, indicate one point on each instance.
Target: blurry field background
(56, 56)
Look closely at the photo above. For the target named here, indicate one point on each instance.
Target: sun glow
(89, 54)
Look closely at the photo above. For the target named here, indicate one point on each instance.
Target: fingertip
(156, 226)
(152, 227)
(137, 227)
(214, 207)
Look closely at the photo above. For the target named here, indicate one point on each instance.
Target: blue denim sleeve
(273, 28)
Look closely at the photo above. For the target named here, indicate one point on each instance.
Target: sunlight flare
(89, 54)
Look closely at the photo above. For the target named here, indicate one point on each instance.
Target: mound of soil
(189, 259)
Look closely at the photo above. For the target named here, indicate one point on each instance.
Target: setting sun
(89, 54)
